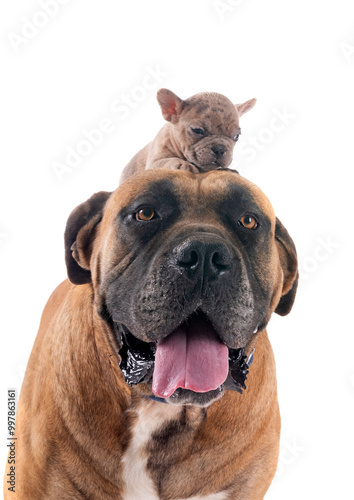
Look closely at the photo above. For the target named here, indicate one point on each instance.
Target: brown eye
(248, 222)
(145, 214)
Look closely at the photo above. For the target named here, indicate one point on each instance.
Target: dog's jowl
(152, 376)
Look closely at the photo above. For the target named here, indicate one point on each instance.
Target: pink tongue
(192, 357)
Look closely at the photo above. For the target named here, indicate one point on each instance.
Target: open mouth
(190, 360)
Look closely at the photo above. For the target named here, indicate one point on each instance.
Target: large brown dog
(180, 273)
(200, 134)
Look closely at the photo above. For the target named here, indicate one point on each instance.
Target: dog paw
(189, 167)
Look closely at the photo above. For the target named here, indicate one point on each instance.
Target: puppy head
(175, 257)
(205, 126)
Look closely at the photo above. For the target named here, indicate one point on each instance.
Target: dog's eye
(248, 222)
(198, 131)
(145, 214)
(236, 137)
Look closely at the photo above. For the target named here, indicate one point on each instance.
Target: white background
(297, 58)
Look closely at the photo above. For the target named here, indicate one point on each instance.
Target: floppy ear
(170, 104)
(246, 106)
(78, 237)
(288, 260)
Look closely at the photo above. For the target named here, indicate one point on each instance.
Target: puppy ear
(246, 106)
(170, 104)
(78, 237)
(288, 260)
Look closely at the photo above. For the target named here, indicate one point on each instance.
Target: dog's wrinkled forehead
(201, 194)
(215, 111)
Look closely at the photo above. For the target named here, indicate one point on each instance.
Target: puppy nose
(218, 150)
(200, 258)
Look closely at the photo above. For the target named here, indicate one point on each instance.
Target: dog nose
(218, 150)
(210, 260)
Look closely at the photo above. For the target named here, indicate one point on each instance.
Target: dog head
(205, 127)
(182, 262)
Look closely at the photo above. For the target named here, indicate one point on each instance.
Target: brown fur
(235, 447)
(177, 147)
(76, 414)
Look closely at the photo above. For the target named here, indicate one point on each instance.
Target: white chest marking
(138, 483)
(151, 416)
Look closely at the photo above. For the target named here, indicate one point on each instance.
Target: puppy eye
(236, 137)
(198, 131)
(146, 214)
(248, 222)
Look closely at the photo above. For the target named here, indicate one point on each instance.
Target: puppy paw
(189, 167)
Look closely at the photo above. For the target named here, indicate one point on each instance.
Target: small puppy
(200, 134)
